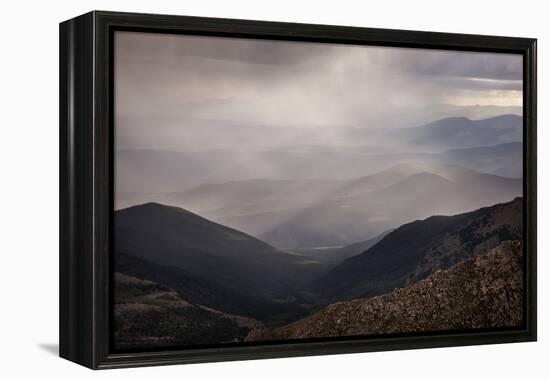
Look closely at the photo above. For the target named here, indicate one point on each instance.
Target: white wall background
(29, 190)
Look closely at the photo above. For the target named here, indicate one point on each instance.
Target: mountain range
(226, 270)
(419, 229)
(172, 296)
(455, 132)
(339, 213)
(489, 145)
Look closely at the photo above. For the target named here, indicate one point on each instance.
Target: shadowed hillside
(150, 315)
(416, 250)
(210, 263)
(175, 237)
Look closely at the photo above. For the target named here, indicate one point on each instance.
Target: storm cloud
(172, 91)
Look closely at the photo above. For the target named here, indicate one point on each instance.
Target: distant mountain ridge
(161, 171)
(273, 242)
(298, 214)
(461, 132)
(501, 160)
(344, 215)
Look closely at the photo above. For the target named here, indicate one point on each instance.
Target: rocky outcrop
(477, 237)
(481, 292)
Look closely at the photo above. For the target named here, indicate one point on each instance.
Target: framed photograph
(236, 189)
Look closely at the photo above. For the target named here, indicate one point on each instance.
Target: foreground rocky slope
(481, 292)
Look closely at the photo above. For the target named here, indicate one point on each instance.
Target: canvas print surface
(268, 191)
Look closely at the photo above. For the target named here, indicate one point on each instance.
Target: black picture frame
(86, 183)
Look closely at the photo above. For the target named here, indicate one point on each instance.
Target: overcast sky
(179, 92)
